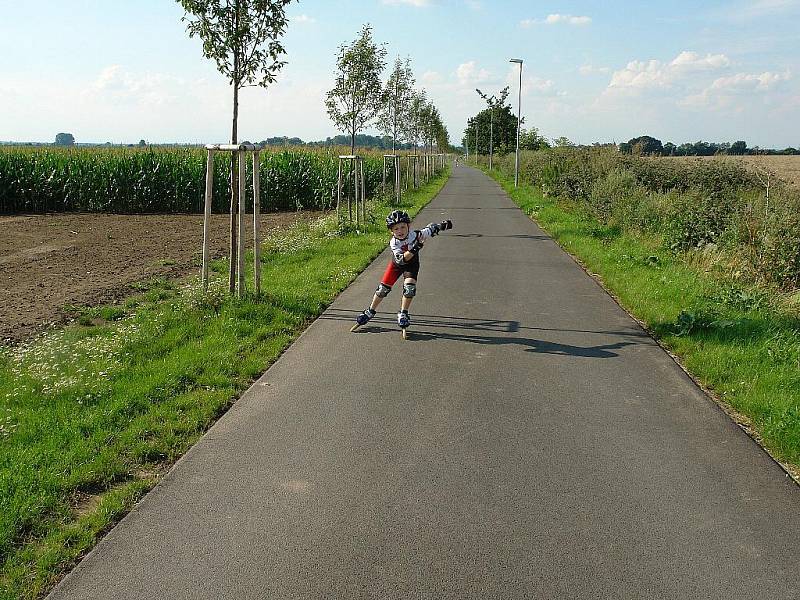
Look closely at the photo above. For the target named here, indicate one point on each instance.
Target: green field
(165, 180)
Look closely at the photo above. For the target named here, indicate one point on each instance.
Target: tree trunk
(234, 190)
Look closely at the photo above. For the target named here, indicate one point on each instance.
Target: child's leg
(409, 290)
(390, 276)
(376, 300)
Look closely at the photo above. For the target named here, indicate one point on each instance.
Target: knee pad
(409, 290)
(382, 290)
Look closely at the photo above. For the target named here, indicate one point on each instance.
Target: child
(405, 245)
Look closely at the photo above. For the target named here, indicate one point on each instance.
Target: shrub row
(718, 203)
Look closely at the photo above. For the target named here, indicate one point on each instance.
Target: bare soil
(50, 262)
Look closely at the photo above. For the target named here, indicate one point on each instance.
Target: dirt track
(49, 261)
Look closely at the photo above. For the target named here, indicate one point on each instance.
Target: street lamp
(519, 119)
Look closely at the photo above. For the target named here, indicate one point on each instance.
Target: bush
(689, 204)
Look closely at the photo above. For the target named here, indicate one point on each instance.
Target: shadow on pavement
(531, 344)
(385, 324)
(520, 236)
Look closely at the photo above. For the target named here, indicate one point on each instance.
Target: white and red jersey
(400, 247)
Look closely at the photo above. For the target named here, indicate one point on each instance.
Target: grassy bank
(738, 339)
(93, 414)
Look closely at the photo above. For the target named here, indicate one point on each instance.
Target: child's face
(400, 230)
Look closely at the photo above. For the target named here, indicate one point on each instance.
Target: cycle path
(529, 441)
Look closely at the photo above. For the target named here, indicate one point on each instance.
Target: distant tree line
(651, 146)
(361, 141)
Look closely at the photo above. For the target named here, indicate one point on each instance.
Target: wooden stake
(363, 195)
(242, 207)
(256, 220)
(207, 215)
(339, 190)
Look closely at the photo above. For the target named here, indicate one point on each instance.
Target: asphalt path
(529, 441)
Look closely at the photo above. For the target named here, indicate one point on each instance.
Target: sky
(594, 71)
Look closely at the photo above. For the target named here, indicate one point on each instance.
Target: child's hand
(416, 246)
(445, 225)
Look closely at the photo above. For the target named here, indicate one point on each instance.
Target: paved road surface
(530, 441)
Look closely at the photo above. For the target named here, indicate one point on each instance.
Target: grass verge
(735, 339)
(92, 414)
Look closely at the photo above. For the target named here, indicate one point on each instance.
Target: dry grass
(786, 167)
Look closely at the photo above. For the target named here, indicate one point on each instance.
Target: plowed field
(49, 262)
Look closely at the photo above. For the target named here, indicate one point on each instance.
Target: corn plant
(163, 180)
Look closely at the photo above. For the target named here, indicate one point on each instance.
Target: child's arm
(425, 234)
(433, 229)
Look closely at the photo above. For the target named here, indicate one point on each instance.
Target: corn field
(164, 180)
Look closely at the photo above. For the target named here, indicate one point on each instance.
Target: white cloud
(531, 86)
(588, 69)
(468, 74)
(431, 78)
(417, 3)
(305, 19)
(730, 92)
(115, 85)
(654, 74)
(750, 82)
(691, 61)
(692, 81)
(556, 19)
(759, 8)
(640, 75)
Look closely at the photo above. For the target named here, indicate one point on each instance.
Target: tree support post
(397, 178)
(242, 211)
(356, 166)
(257, 221)
(237, 271)
(207, 215)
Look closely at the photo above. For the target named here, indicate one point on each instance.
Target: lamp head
(516, 60)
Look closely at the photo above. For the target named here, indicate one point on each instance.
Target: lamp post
(519, 119)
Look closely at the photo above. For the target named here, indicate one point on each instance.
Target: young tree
(499, 123)
(413, 125)
(242, 38)
(441, 135)
(397, 93)
(357, 98)
(738, 147)
(562, 142)
(531, 139)
(65, 139)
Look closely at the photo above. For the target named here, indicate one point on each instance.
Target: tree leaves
(240, 36)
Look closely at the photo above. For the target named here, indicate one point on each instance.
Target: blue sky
(118, 70)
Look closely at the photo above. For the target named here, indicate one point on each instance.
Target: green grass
(91, 413)
(738, 343)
